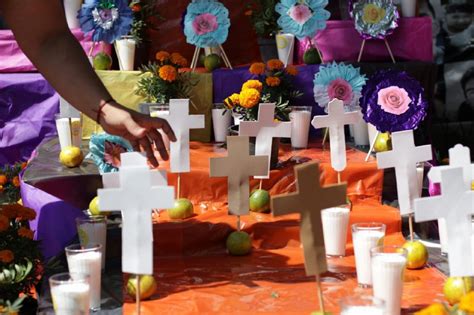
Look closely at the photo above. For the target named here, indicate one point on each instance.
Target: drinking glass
(221, 121)
(362, 304)
(93, 230)
(335, 222)
(300, 117)
(70, 293)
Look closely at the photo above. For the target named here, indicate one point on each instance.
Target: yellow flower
(162, 56)
(273, 81)
(232, 100)
(275, 64)
(433, 309)
(257, 68)
(248, 98)
(373, 14)
(467, 303)
(291, 70)
(179, 60)
(6, 256)
(25, 232)
(168, 73)
(252, 84)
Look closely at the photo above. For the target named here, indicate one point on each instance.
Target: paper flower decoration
(106, 19)
(206, 23)
(340, 81)
(375, 18)
(393, 101)
(302, 18)
(105, 150)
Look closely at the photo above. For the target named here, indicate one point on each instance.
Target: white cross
(456, 206)
(403, 158)
(238, 166)
(133, 192)
(336, 119)
(459, 156)
(265, 129)
(181, 122)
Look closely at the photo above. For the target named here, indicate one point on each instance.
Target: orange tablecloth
(196, 276)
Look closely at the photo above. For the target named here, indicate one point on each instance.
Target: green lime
(183, 208)
(239, 243)
(212, 62)
(311, 57)
(260, 201)
(102, 61)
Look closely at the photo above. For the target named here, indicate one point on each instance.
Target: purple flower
(376, 113)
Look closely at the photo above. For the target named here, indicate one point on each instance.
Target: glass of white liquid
(362, 305)
(69, 131)
(87, 261)
(366, 236)
(70, 293)
(93, 230)
(125, 49)
(388, 270)
(221, 121)
(335, 222)
(300, 117)
(161, 111)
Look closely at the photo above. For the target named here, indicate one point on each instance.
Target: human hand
(137, 128)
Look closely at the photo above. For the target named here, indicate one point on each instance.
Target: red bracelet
(101, 106)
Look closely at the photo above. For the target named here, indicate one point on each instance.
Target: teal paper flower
(340, 81)
(105, 150)
(206, 23)
(302, 18)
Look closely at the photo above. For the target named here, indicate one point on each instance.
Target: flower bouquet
(10, 182)
(162, 80)
(20, 258)
(273, 83)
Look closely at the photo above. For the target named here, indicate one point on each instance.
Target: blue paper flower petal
(97, 146)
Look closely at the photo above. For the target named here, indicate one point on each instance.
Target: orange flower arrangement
(4, 223)
(272, 81)
(16, 181)
(467, 303)
(6, 256)
(232, 100)
(10, 210)
(3, 180)
(257, 68)
(433, 309)
(168, 73)
(248, 98)
(162, 56)
(26, 214)
(179, 60)
(275, 64)
(25, 232)
(292, 70)
(252, 84)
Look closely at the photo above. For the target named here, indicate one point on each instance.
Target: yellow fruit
(183, 208)
(148, 286)
(383, 142)
(71, 156)
(417, 254)
(455, 287)
(94, 207)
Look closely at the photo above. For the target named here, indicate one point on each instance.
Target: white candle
(93, 231)
(221, 122)
(69, 128)
(71, 7)
(360, 132)
(300, 117)
(125, 48)
(335, 222)
(70, 298)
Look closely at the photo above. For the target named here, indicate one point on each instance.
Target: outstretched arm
(41, 30)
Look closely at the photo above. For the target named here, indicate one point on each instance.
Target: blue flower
(106, 19)
(105, 150)
(303, 18)
(339, 81)
(206, 23)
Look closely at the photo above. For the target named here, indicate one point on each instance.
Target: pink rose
(340, 89)
(394, 100)
(300, 13)
(204, 23)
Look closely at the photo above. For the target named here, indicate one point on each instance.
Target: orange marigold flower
(248, 13)
(179, 60)
(248, 98)
(291, 70)
(273, 81)
(232, 100)
(25, 232)
(16, 181)
(11, 210)
(162, 56)
(253, 84)
(467, 303)
(6, 256)
(136, 7)
(3, 179)
(257, 68)
(168, 73)
(275, 64)
(4, 223)
(1, 188)
(24, 165)
(434, 309)
(27, 214)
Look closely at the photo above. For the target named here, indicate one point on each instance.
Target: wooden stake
(410, 225)
(260, 184)
(195, 59)
(238, 223)
(338, 177)
(226, 59)
(326, 133)
(179, 186)
(372, 146)
(70, 130)
(320, 294)
(137, 296)
(361, 50)
(92, 49)
(389, 51)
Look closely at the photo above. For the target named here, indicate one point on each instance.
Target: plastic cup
(300, 117)
(70, 293)
(93, 230)
(366, 236)
(161, 111)
(88, 261)
(335, 222)
(362, 305)
(221, 121)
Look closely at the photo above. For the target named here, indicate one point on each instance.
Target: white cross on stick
(135, 195)
(335, 120)
(403, 157)
(265, 129)
(456, 206)
(238, 166)
(459, 156)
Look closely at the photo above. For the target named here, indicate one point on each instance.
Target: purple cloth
(27, 108)
(412, 40)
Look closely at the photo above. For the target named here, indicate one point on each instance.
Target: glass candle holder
(70, 293)
(300, 117)
(362, 304)
(93, 230)
(221, 121)
(335, 222)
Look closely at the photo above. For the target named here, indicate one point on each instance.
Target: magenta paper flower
(340, 89)
(205, 23)
(300, 13)
(394, 100)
